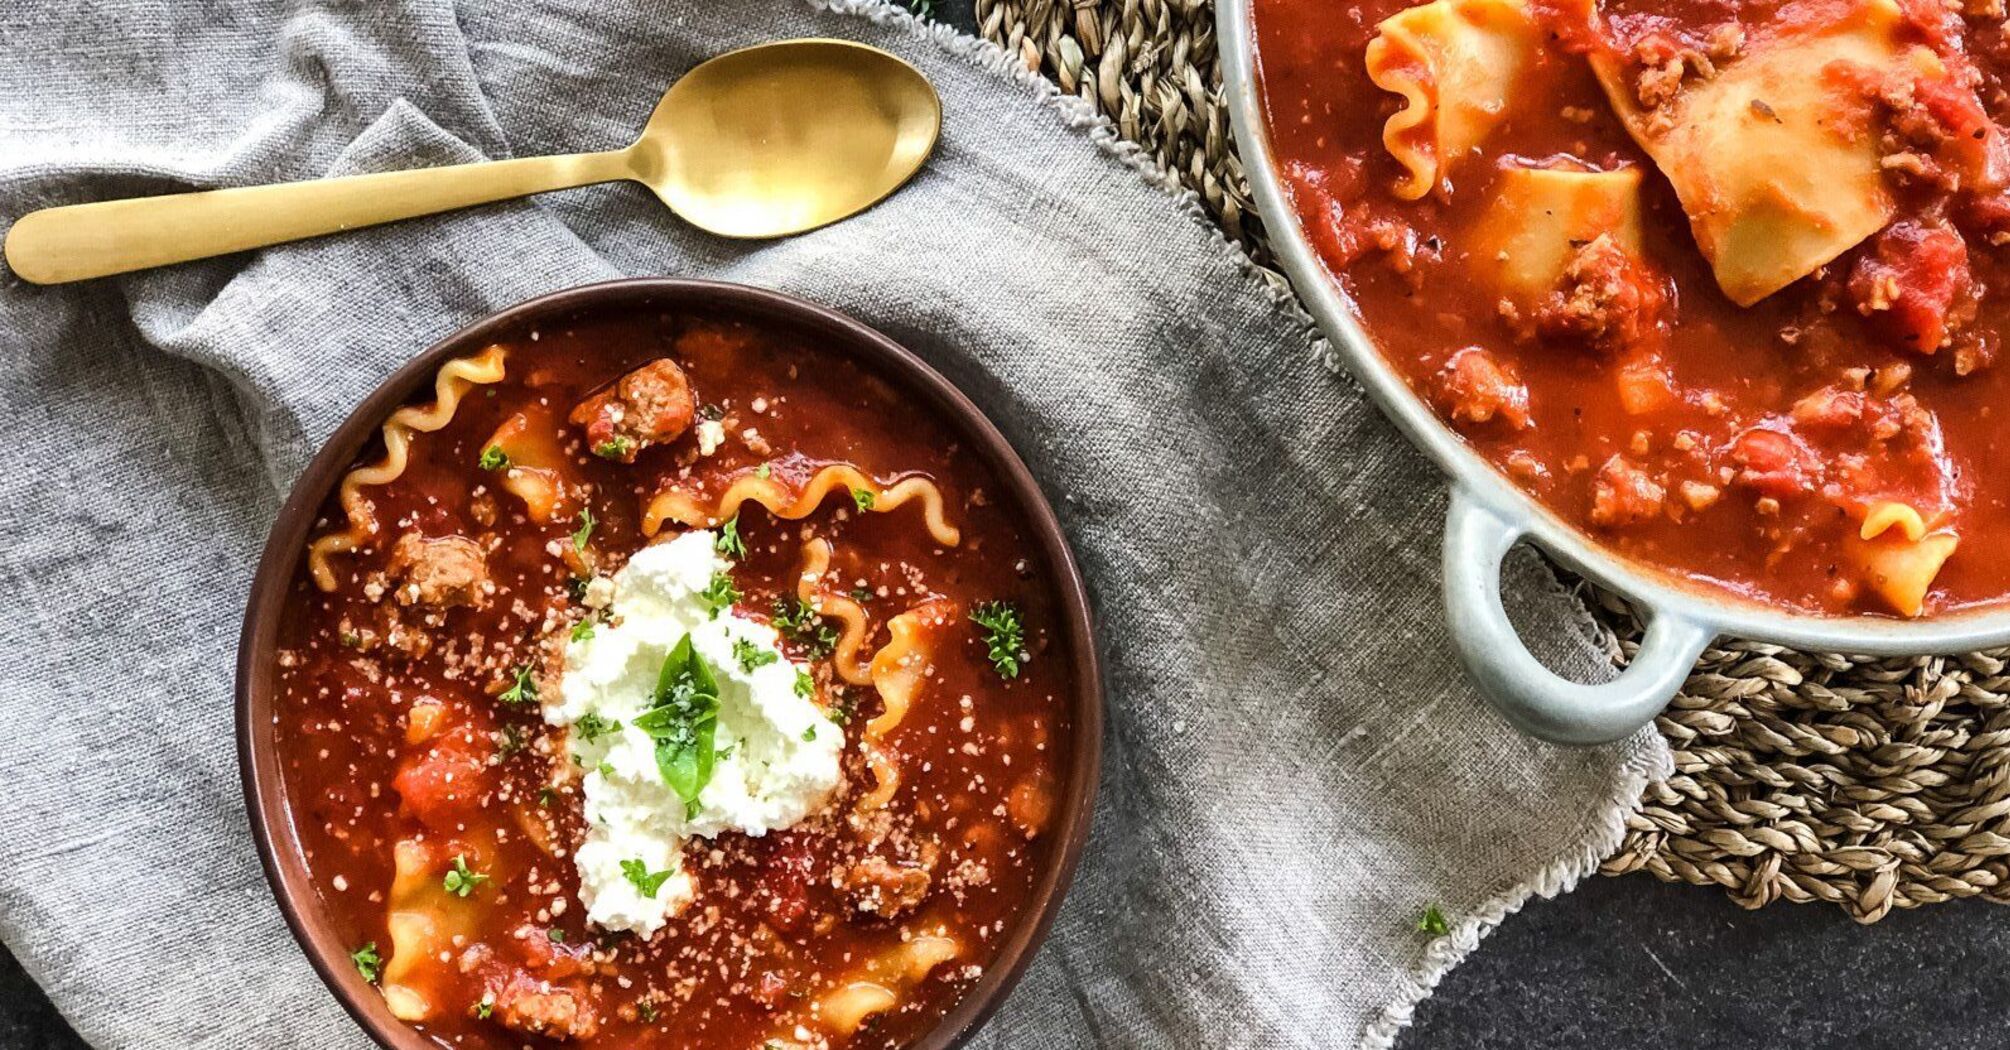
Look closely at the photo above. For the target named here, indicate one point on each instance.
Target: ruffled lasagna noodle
(844, 658)
(898, 671)
(423, 921)
(449, 385)
(677, 505)
(1774, 158)
(884, 979)
(1902, 554)
(1455, 62)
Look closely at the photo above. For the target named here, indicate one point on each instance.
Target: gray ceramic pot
(1489, 515)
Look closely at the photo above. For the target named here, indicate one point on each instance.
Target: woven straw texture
(1869, 784)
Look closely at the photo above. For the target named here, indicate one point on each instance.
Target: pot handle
(1535, 699)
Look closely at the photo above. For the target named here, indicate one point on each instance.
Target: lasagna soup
(669, 680)
(1719, 282)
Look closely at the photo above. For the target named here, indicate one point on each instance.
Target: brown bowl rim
(258, 766)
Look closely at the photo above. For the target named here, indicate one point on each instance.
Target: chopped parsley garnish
(494, 458)
(575, 588)
(352, 640)
(582, 630)
(863, 498)
(646, 1009)
(512, 741)
(585, 531)
(711, 412)
(605, 769)
(810, 733)
(460, 881)
(751, 655)
(557, 935)
(614, 448)
(523, 690)
(720, 593)
(682, 719)
(639, 876)
(591, 727)
(763, 471)
(1004, 634)
(725, 752)
(367, 961)
(1433, 922)
(547, 797)
(797, 621)
(861, 594)
(484, 1008)
(806, 686)
(729, 542)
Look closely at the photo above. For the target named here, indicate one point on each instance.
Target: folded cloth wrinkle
(1295, 766)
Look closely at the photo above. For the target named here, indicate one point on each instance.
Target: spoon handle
(95, 240)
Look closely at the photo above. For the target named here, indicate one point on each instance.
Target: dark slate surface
(1629, 963)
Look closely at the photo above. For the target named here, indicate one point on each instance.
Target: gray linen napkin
(1295, 766)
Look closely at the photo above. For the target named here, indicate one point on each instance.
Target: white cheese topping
(777, 753)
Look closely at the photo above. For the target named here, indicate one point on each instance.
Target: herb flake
(752, 656)
(459, 880)
(1433, 922)
(720, 594)
(1004, 635)
(729, 542)
(592, 727)
(645, 882)
(521, 691)
(801, 624)
(367, 961)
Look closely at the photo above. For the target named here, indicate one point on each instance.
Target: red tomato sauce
(397, 726)
(1737, 447)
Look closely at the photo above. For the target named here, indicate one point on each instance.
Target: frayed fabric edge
(1079, 114)
(1648, 760)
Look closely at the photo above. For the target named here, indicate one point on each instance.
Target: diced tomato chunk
(1773, 462)
(1476, 387)
(1910, 282)
(1644, 385)
(443, 785)
(1968, 140)
(1623, 494)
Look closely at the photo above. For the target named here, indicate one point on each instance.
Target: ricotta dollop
(776, 751)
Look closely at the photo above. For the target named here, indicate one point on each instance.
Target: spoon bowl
(761, 142)
(769, 165)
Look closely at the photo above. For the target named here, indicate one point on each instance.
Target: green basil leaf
(683, 720)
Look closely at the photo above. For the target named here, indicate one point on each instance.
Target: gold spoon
(762, 142)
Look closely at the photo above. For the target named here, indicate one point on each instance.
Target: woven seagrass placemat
(1870, 784)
